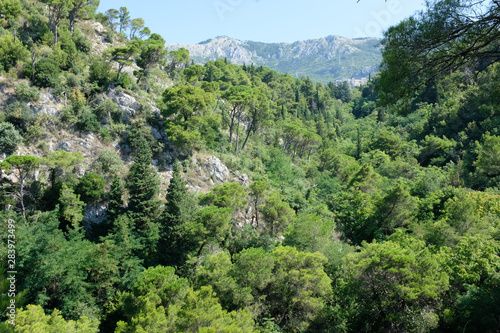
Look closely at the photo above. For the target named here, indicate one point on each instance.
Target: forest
(366, 209)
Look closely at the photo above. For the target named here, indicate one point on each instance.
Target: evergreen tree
(115, 205)
(144, 207)
(180, 208)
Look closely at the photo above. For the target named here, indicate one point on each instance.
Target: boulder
(216, 169)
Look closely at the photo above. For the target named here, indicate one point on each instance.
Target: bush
(91, 188)
(81, 41)
(12, 51)
(99, 73)
(20, 115)
(46, 73)
(25, 93)
(9, 138)
(87, 122)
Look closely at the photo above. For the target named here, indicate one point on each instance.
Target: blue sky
(193, 21)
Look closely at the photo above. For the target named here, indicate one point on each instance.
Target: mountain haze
(325, 59)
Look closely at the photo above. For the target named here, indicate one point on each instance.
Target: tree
(24, 167)
(9, 138)
(277, 213)
(258, 114)
(258, 190)
(184, 102)
(153, 53)
(136, 25)
(124, 18)
(174, 245)
(144, 207)
(124, 55)
(33, 319)
(12, 51)
(448, 36)
(240, 98)
(71, 208)
(112, 17)
(11, 9)
(178, 59)
(78, 7)
(488, 158)
(393, 286)
(58, 9)
(91, 187)
(115, 199)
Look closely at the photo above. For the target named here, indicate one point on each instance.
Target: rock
(216, 169)
(99, 28)
(95, 213)
(243, 180)
(64, 145)
(49, 110)
(155, 133)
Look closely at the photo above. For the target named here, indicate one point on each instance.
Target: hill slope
(326, 59)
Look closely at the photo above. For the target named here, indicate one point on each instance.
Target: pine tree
(115, 205)
(144, 207)
(180, 208)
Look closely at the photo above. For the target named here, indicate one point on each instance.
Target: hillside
(326, 59)
(142, 193)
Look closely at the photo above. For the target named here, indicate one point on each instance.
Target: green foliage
(25, 93)
(99, 73)
(12, 51)
(11, 9)
(177, 223)
(91, 188)
(20, 115)
(33, 319)
(46, 73)
(144, 205)
(288, 283)
(397, 284)
(9, 138)
(87, 121)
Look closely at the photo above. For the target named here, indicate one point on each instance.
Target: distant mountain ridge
(331, 58)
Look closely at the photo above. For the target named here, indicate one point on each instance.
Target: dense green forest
(373, 209)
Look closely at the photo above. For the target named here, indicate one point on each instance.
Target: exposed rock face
(95, 213)
(216, 169)
(243, 180)
(47, 104)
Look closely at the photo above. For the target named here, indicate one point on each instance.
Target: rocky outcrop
(129, 104)
(216, 169)
(95, 213)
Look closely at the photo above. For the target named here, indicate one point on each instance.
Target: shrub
(9, 138)
(87, 122)
(91, 188)
(25, 93)
(12, 51)
(20, 115)
(99, 73)
(46, 73)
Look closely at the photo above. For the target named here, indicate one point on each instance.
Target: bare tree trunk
(56, 26)
(237, 136)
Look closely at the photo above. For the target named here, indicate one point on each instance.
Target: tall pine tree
(144, 206)
(174, 244)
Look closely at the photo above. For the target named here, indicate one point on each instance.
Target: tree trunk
(237, 136)
(56, 26)
(248, 134)
(147, 79)
(21, 194)
(33, 55)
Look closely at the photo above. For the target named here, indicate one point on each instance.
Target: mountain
(326, 59)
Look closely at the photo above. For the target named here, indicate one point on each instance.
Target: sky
(193, 21)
